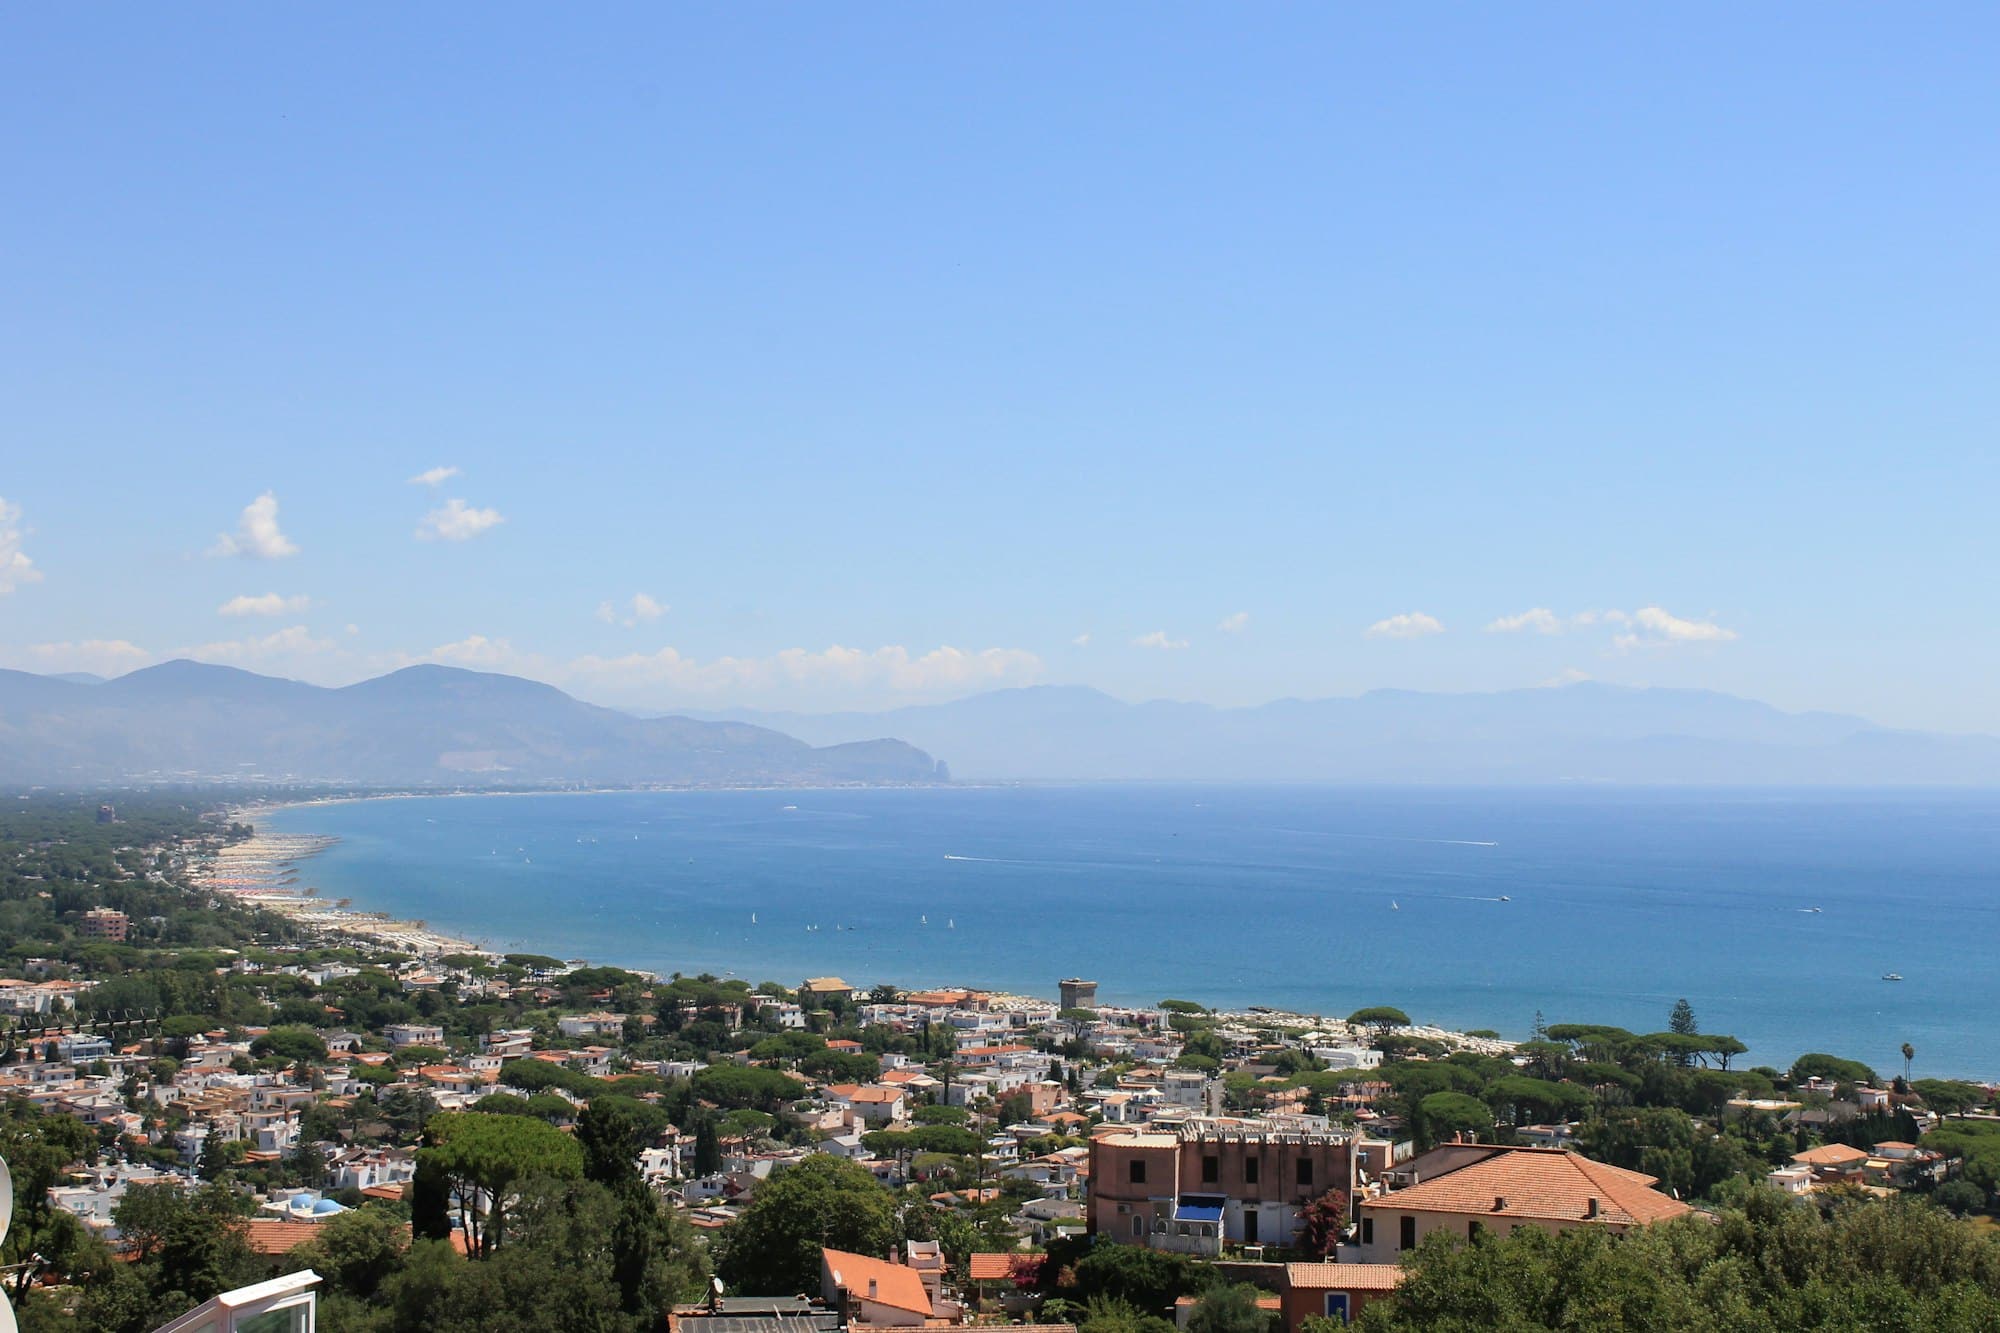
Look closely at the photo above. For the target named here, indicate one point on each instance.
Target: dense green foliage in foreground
(1771, 1266)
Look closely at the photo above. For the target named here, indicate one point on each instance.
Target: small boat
(951, 924)
(1504, 899)
(753, 918)
(1892, 976)
(923, 920)
(1395, 906)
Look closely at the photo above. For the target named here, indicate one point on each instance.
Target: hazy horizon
(725, 709)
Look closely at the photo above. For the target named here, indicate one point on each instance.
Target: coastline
(669, 919)
(264, 871)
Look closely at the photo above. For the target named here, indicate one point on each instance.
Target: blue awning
(1198, 1208)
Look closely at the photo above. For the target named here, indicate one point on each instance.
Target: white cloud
(640, 609)
(257, 535)
(1080, 641)
(1567, 676)
(268, 604)
(296, 641)
(1159, 639)
(1656, 627)
(1648, 627)
(1408, 625)
(892, 668)
(476, 650)
(1658, 621)
(105, 657)
(456, 521)
(1539, 619)
(15, 567)
(436, 476)
(1235, 624)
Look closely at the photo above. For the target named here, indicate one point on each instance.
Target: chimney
(1589, 1209)
(1499, 1203)
(871, 1281)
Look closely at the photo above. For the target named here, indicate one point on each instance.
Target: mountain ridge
(1587, 731)
(420, 726)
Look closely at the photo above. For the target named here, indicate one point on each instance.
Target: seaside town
(390, 1110)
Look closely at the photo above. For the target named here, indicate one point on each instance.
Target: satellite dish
(7, 1324)
(6, 1215)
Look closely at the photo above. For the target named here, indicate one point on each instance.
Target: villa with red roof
(1465, 1189)
(873, 1291)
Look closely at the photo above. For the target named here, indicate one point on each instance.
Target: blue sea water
(1467, 908)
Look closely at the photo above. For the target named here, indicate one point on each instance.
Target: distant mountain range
(422, 726)
(1585, 732)
(441, 726)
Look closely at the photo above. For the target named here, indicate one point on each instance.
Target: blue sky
(893, 353)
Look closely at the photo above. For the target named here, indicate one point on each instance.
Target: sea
(1779, 915)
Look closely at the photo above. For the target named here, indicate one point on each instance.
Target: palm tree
(1909, 1054)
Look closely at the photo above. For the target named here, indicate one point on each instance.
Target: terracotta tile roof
(1002, 1267)
(1547, 1184)
(878, 1280)
(276, 1236)
(1343, 1277)
(877, 1095)
(1832, 1154)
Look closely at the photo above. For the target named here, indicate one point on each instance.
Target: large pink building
(1191, 1187)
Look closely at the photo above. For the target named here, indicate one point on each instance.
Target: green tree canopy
(1766, 1267)
(1231, 1309)
(730, 1086)
(823, 1201)
(1444, 1114)
(1149, 1280)
(481, 1160)
(1832, 1068)
(299, 1044)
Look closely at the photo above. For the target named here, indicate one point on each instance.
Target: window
(1138, 1225)
(1474, 1229)
(1367, 1229)
(1408, 1239)
(1250, 1220)
(1305, 1170)
(1138, 1171)
(1211, 1169)
(1336, 1305)
(1249, 1170)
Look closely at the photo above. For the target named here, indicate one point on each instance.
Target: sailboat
(753, 918)
(1395, 906)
